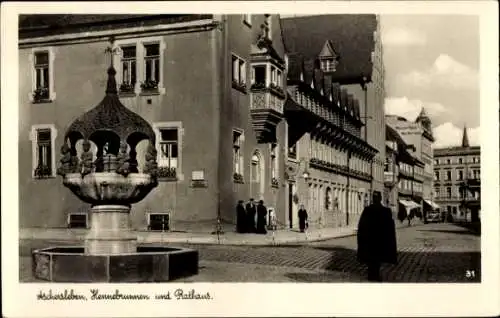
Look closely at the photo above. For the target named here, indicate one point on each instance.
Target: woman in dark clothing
(302, 218)
(240, 217)
(376, 238)
(261, 218)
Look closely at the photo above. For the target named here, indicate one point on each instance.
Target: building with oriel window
(236, 114)
(457, 180)
(212, 87)
(335, 116)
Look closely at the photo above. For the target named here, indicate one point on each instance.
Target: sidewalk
(279, 237)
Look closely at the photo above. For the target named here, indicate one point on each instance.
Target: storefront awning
(433, 205)
(409, 204)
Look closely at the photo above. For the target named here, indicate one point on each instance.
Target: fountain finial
(111, 85)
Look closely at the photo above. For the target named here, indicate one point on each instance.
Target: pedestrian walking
(261, 218)
(240, 217)
(376, 237)
(302, 218)
(251, 212)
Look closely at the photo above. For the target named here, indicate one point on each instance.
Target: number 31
(470, 274)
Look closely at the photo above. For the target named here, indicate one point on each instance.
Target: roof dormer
(328, 58)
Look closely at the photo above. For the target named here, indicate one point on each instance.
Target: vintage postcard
(250, 158)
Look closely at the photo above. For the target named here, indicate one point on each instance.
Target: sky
(432, 61)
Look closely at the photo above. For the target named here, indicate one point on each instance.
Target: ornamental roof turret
(110, 117)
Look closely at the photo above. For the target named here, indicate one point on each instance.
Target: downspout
(364, 86)
(219, 59)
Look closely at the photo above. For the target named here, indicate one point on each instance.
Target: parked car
(434, 217)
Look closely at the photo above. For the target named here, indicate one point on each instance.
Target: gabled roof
(352, 36)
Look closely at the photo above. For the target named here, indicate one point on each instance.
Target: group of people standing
(251, 218)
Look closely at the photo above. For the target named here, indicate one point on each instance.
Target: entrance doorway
(257, 176)
(292, 204)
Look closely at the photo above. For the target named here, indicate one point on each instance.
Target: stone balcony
(266, 108)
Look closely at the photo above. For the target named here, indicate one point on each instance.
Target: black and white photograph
(175, 149)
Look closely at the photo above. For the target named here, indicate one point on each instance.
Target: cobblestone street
(427, 253)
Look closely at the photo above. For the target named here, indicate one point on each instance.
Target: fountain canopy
(112, 175)
(110, 121)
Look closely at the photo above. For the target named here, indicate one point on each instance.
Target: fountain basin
(110, 187)
(148, 264)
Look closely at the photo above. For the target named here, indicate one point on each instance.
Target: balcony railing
(264, 99)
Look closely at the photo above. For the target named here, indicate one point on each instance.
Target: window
(437, 192)
(239, 71)
(327, 65)
(460, 160)
(237, 152)
(42, 75)
(43, 139)
(129, 69)
(168, 148)
(259, 76)
(448, 175)
(140, 61)
(169, 145)
(477, 174)
(460, 175)
(42, 87)
(77, 220)
(448, 192)
(448, 161)
(454, 210)
(151, 65)
(159, 222)
(436, 162)
(247, 19)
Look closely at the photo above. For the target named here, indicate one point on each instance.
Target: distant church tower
(465, 138)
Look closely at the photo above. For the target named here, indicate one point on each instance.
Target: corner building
(216, 90)
(212, 87)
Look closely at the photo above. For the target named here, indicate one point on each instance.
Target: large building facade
(216, 90)
(457, 181)
(335, 69)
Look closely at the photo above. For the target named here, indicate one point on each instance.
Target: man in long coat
(251, 211)
(261, 218)
(240, 217)
(376, 237)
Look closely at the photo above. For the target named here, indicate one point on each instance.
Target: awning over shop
(433, 205)
(409, 204)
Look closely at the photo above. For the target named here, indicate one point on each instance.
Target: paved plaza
(427, 253)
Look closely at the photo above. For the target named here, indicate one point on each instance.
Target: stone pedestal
(110, 232)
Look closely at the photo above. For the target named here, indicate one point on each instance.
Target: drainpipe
(364, 86)
(219, 58)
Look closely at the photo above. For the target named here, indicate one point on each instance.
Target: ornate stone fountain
(111, 184)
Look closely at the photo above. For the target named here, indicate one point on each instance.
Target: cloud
(444, 73)
(403, 37)
(410, 108)
(448, 135)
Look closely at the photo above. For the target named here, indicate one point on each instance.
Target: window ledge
(42, 101)
(44, 177)
(241, 88)
(165, 179)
